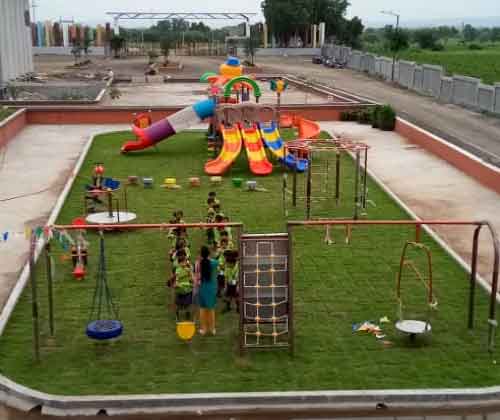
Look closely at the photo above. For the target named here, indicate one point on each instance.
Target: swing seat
(186, 330)
(79, 272)
(413, 327)
(104, 329)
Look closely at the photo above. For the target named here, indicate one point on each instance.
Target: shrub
(475, 47)
(386, 118)
(375, 115)
(365, 116)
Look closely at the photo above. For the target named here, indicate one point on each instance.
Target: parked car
(317, 59)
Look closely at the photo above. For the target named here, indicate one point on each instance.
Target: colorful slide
(231, 148)
(272, 139)
(257, 159)
(169, 126)
(307, 129)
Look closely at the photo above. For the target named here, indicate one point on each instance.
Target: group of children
(185, 279)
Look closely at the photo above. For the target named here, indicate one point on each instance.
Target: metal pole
(473, 274)
(365, 180)
(110, 204)
(34, 301)
(294, 185)
(279, 109)
(241, 302)
(49, 289)
(337, 179)
(291, 330)
(494, 289)
(309, 188)
(395, 52)
(356, 187)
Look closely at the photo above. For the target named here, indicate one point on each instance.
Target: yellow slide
(231, 148)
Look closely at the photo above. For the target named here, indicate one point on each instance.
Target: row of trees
(289, 19)
(427, 38)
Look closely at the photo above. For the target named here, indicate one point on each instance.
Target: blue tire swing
(104, 323)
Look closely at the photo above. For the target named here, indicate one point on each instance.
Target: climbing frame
(265, 292)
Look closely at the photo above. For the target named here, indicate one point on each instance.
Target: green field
(483, 64)
(335, 286)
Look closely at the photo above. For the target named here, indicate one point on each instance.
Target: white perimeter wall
(16, 57)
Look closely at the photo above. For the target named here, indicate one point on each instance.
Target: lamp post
(390, 13)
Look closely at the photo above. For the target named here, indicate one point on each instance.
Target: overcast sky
(369, 10)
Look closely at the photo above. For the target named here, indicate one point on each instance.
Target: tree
(116, 43)
(396, 40)
(426, 38)
(251, 45)
(351, 33)
(495, 34)
(166, 43)
(470, 33)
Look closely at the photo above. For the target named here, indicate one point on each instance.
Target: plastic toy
(252, 185)
(195, 182)
(147, 182)
(170, 183)
(133, 180)
(216, 180)
(237, 182)
(186, 330)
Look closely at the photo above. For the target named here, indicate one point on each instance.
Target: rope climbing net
(265, 291)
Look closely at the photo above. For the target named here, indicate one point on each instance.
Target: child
(210, 218)
(231, 274)
(183, 285)
(219, 255)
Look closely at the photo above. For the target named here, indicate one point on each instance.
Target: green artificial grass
(335, 286)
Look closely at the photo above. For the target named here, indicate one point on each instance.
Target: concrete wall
(406, 74)
(267, 52)
(465, 91)
(418, 79)
(425, 79)
(16, 56)
(485, 97)
(496, 105)
(60, 91)
(94, 51)
(431, 83)
(446, 93)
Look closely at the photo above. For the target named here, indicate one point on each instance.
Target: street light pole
(397, 32)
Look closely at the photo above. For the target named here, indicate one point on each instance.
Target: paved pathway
(34, 165)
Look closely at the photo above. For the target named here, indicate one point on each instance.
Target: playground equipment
(248, 124)
(279, 86)
(107, 189)
(104, 323)
(318, 177)
(266, 300)
(410, 326)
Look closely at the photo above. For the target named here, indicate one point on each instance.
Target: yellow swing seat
(186, 330)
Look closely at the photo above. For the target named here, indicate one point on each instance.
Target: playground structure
(267, 279)
(318, 155)
(414, 327)
(245, 126)
(106, 188)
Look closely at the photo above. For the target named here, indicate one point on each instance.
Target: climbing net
(265, 291)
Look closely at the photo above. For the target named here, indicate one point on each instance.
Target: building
(16, 54)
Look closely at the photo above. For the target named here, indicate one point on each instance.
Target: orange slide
(307, 129)
(259, 165)
(231, 148)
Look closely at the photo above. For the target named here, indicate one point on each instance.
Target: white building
(16, 54)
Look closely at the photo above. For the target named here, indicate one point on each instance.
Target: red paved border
(12, 125)
(486, 174)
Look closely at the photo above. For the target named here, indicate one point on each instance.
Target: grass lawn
(335, 286)
(483, 64)
(6, 112)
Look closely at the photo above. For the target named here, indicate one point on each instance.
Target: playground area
(348, 286)
(173, 93)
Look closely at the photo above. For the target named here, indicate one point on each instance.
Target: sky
(93, 11)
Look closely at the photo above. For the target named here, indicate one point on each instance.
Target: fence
(425, 79)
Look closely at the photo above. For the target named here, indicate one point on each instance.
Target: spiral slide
(169, 126)
(231, 148)
(257, 159)
(272, 139)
